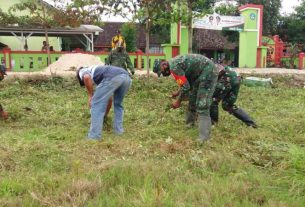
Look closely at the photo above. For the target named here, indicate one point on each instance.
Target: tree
(56, 14)
(129, 32)
(145, 12)
(39, 14)
(292, 28)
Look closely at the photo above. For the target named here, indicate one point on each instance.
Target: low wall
(27, 61)
(285, 63)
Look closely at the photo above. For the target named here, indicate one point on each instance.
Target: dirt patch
(70, 62)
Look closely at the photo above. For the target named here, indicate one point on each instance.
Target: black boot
(244, 117)
(214, 112)
(190, 118)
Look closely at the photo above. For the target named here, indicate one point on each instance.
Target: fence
(27, 61)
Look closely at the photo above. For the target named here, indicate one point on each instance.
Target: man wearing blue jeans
(109, 80)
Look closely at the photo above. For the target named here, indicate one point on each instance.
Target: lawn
(45, 159)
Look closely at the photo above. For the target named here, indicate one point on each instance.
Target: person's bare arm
(89, 86)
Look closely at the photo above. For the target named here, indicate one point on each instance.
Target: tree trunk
(47, 39)
(190, 28)
(147, 42)
(48, 47)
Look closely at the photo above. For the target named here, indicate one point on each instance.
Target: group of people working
(202, 82)
(205, 84)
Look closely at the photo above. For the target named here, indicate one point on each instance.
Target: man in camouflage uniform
(197, 76)
(3, 114)
(227, 89)
(120, 58)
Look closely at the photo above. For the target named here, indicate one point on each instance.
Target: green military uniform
(226, 90)
(120, 59)
(197, 76)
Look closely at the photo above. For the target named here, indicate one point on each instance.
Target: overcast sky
(287, 6)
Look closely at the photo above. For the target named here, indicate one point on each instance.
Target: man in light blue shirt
(109, 80)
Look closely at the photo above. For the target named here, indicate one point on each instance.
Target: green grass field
(45, 159)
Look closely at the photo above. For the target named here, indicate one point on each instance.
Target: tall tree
(292, 28)
(37, 13)
(145, 12)
(129, 32)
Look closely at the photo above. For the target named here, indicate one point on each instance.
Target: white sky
(287, 6)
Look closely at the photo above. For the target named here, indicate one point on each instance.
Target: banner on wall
(218, 22)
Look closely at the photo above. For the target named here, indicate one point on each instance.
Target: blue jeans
(118, 85)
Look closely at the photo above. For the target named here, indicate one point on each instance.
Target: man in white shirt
(109, 80)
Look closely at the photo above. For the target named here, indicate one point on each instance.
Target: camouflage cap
(157, 67)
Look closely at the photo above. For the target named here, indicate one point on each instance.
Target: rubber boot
(190, 118)
(204, 128)
(214, 113)
(244, 117)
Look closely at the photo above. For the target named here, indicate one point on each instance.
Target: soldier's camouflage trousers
(202, 90)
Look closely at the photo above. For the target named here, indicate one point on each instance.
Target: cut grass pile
(45, 159)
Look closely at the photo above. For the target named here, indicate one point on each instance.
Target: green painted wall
(247, 49)
(167, 49)
(174, 29)
(285, 61)
(36, 61)
(251, 18)
(34, 43)
(264, 57)
(248, 39)
(184, 40)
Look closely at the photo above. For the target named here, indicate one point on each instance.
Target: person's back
(118, 58)
(228, 82)
(110, 81)
(192, 65)
(101, 72)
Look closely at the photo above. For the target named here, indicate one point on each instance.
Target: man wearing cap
(3, 114)
(115, 39)
(109, 80)
(227, 89)
(120, 58)
(197, 76)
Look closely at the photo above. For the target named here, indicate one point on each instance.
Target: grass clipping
(70, 62)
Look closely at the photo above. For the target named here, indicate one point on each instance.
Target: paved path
(269, 71)
(253, 71)
(144, 72)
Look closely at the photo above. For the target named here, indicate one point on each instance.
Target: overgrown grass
(45, 159)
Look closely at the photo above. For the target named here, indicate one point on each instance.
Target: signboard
(218, 22)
